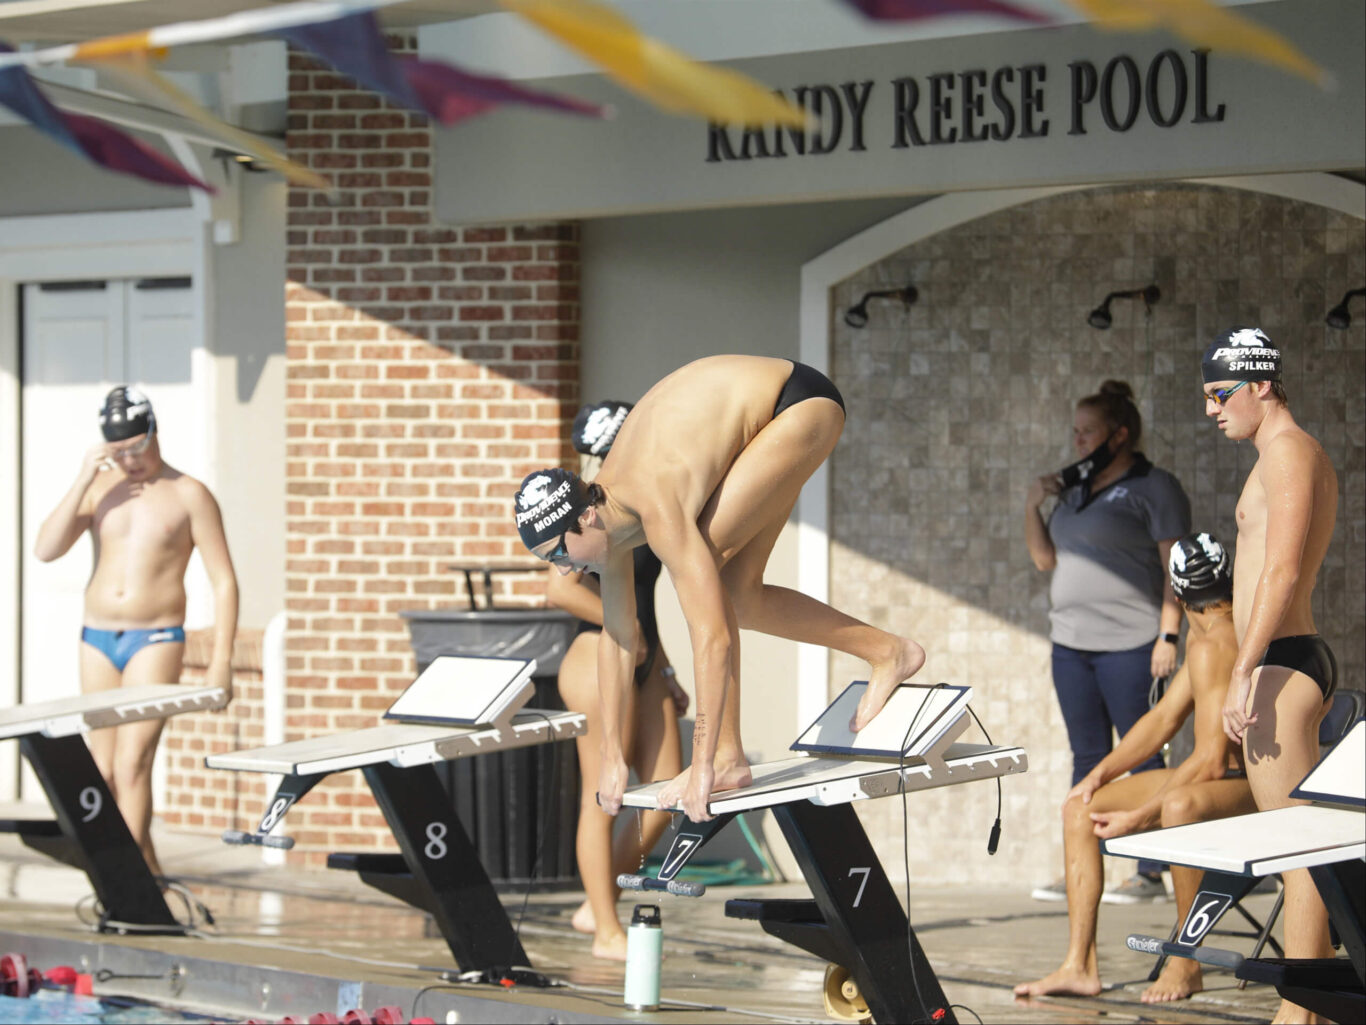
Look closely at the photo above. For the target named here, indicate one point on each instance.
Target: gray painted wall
(40, 176)
(247, 341)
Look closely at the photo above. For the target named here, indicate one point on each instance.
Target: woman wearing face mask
(1114, 618)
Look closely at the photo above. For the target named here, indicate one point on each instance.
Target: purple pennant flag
(355, 46)
(914, 10)
(100, 142)
(449, 94)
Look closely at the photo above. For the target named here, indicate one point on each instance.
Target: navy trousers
(1101, 691)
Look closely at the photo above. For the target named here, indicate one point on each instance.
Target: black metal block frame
(855, 918)
(445, 866)
(98, 838)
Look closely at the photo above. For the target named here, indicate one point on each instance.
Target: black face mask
(1089, 465)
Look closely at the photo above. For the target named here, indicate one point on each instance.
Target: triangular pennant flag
(1204, 24)
(100, 142)
(656, 72)
(355, 46)
(135, 76)
(914, 10)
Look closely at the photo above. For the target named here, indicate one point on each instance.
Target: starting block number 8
(436, 841)
(92, 802)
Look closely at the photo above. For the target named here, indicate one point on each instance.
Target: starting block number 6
(1201, 920)
(853, 871)
(92, 802)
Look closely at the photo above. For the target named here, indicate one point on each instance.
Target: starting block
(89, 832)
(458, 708)
(1328, 837)
(855, 920)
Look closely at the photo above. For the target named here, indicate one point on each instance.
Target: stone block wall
(960, 400)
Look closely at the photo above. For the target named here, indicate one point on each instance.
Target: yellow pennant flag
(1204, 23)
(655, 71)
(135, 75)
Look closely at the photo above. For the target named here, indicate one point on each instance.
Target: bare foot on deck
(1180, 979)
(1064, 982)
(611, 947)
(729, 776)
(1293, 1014)
(583, 920)
(885, 678)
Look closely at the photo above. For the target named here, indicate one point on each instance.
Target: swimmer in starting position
(145, 518)
(706, 470)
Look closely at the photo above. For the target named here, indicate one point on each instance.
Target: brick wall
(429, 369)
(206, 800)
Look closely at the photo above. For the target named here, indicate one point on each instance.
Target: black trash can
(514, 804)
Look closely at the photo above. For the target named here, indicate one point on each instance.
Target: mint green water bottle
(644, 950)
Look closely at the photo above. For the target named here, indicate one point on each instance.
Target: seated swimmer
(145, 518)
(705, 470)
(1210, 784)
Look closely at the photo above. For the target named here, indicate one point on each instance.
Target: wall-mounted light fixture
(247, 163)
(1338, 317)
(857, 315)
(1100, 317)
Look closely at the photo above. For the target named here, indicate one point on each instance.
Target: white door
(79, 340)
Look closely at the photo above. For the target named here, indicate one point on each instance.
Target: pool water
(54, 1005)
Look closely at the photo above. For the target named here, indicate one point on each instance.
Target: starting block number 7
(855, 871)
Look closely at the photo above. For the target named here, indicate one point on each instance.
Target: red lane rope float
(14, 976)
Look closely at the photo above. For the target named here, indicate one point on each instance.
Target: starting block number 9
(92, 802)
(436, 841)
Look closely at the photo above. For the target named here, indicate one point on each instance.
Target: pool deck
(293, 941)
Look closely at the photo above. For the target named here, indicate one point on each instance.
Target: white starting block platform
(401, 744)
(89, 831)
(66, 717)
(1327, 837)
(855, 920)
(462, 707)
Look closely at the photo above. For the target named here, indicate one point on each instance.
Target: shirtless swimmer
(706, 469)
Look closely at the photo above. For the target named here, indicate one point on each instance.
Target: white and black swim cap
(547, 504)
(126, 413)
(596, 427)
(1243, 354)
(1200, 570)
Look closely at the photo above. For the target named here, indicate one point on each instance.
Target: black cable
(906, 841)
(992, 841)
(551, 803)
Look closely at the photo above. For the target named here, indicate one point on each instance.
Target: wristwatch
(1171, 638)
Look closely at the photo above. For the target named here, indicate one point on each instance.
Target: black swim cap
(126, 413)
(596, 427)
(1243, 354)
(1201, 571)
(547, 504)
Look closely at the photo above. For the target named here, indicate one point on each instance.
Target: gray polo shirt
(1106, 591)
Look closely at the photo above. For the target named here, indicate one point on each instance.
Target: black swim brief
(806, 383)
(1308, 654)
